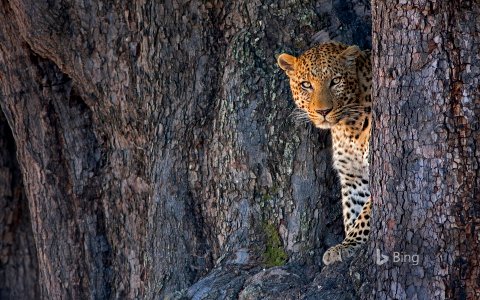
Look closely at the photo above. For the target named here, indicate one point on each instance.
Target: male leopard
(331, 83)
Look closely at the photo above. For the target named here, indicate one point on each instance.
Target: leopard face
(325, 82)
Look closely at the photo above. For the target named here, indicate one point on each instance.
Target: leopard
(331, 86)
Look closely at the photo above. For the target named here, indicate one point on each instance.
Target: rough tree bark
(425, 150)
(156, 146)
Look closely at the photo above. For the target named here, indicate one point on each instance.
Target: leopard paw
(337, 253)
(333, 254)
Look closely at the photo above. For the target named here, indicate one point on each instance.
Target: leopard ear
(287, 62)
(349, 55)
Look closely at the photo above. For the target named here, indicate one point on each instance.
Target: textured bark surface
(425, 150)
(157, 148)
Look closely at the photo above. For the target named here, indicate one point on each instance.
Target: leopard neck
(351, 139)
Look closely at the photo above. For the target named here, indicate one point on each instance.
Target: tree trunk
(425, 151)
(156, 146)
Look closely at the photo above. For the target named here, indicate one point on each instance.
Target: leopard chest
(350, 155)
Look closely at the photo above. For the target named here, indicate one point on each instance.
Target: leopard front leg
(356, 237)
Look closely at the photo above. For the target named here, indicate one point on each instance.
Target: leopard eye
(335, 81)
(306, 85)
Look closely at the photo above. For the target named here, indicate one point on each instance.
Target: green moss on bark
(274, 254)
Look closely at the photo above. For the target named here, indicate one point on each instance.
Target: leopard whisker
(300, 116)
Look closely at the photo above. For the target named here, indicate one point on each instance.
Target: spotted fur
(331, 85)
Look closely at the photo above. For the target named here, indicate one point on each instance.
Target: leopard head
(325, 83)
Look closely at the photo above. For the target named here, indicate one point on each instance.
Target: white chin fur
(323, 125)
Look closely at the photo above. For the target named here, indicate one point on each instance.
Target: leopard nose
(323, 112)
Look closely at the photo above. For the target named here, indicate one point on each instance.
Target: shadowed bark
(18, 257)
